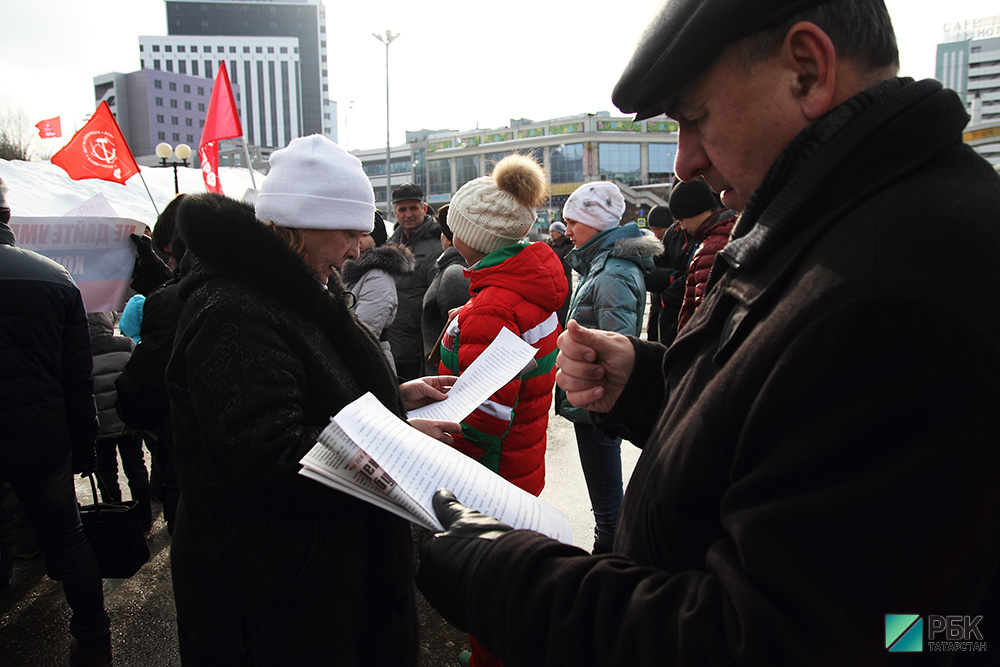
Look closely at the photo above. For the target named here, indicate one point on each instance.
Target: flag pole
(150, 194)
(246, 154)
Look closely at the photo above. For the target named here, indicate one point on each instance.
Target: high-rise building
(968, 62)
(304, 20)
(154, 106)
(266, 69)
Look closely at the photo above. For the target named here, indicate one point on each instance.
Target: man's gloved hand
(143, 246)
(84, 458)
(448, 560)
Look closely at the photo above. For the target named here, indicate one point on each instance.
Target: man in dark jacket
(50, 424)
(817, 466)
(419, 232)
(563, 247)
(665, 282)
(707, 226)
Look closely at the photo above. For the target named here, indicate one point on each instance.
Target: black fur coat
(265, 561)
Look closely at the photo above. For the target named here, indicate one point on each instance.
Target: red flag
(221, 122)
(98, 150)
(47, 129)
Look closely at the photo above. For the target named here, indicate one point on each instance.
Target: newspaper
(371, 454)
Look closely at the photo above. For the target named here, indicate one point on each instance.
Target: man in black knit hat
(819, 476)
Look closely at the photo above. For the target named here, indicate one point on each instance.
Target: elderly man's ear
(816, 74)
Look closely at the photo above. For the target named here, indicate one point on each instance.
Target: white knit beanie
(496, 211)
(600, 205)
(316, 184)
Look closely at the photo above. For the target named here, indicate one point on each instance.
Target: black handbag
(115, 532)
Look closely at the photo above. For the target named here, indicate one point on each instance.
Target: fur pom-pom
(523, 178)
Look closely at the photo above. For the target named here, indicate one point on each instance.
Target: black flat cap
(683, 38)
(407, 192)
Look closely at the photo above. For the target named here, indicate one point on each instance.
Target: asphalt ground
(34, 617)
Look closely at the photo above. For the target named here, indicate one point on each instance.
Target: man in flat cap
(418, 231)
(820, 477)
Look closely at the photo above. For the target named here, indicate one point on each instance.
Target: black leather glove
(143, 246)
(84, 458)
(448, 560)
(149, 271)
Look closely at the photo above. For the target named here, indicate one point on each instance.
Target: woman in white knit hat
(610, 295)
(514, 285)
(271, 568)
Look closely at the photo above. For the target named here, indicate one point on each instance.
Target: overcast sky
(456, 65)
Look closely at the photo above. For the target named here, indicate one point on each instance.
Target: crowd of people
(816, 409)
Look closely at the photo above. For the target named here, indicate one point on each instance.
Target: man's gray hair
(860, 30)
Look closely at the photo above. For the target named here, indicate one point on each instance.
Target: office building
(639, 156)
(304, 20)
(152, 106)
(267, 70)
(968, 62)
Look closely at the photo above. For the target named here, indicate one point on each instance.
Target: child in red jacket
(519, 286)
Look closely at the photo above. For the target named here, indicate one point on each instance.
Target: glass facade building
(304, 20)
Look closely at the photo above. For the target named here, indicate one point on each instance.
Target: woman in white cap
(269, 567)
(610, 295)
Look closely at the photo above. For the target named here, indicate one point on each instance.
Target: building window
(172, 86)
(156, 64)
(398, 166)
(201, 90)
(187, 106)
(284, 49)
(157, 84)
(566, 163)
(161, 135)
(466, 169)
(170, 65)
(438, 177)
(201, 106)
(159, 118)
(182, 67)
(189, 122)
(180, 48)
(374, 168)
(190, 138)
(168, 48)
(174, 120)
(220, 49)
(187, 88)
(620, 162)
(232, 49)
(176, 136)
(156, 48)
(158, 101)
(661, 162)
(173, 104)
(208, 69)
(270, 49)
(246, 49)
(194, 48)
(260, 49)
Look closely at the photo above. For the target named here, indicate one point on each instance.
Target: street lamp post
(182, 151)
(387, 40)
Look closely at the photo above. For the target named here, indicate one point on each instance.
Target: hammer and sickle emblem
(103, 150)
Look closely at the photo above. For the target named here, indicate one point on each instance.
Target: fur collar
(396, 260)
(224, 238)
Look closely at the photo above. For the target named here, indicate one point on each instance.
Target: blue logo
(904, 633)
